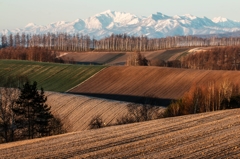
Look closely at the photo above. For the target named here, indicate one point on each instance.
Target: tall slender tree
(32, 114)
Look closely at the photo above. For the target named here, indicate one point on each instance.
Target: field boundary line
(86, 79)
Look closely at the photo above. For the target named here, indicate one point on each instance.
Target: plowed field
(77, 111)
(119, 58)
(208, 135)
(164, 83)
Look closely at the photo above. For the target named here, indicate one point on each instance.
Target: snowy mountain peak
(154, 26)
(30, 25)
(189, 16)
(219, 19)
(159, 16)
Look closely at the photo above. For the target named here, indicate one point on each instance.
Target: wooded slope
(135, 81)
(208, 135)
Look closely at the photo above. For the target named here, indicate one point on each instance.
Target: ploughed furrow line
(50, 76)
(130, 83)
(169, 53)
(151, 139)
(77, 111)
(207, 135)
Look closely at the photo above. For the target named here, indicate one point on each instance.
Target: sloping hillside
(128, 83)
(208, 135)
(50, 76)
(119, 58)
(77, 111)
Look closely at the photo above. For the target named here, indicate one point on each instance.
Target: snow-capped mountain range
(154, 26)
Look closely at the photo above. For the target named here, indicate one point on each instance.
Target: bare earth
(208, 135)
(163, 83)
(77, 111)
(119, 58)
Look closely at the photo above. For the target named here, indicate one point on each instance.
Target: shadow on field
(88, 63)
(130, 98)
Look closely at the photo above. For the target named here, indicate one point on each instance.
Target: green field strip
(50, 76)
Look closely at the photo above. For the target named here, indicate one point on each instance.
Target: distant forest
(119, 42)
(217, 58)
(46, 48)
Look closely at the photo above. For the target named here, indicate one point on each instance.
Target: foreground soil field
(77, 111)
(119, 58)
(208, 135)
(50, 76)
(130, 83)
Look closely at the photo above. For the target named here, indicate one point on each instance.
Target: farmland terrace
(132, 83)
(207, 135)
(119, 58)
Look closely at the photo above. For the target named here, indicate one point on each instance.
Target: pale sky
(18, 13)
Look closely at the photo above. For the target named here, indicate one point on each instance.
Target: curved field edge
(122, 82)
(76, 111)
(50, 76)
(120, 58)
(207, 135)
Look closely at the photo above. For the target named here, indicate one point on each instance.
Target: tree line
(115, 42)
(218, 58)
(23, 111)
(51, 41)
(212, 96)
(31, 54)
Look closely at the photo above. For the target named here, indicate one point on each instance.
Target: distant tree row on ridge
(217, 58)
(118, 42)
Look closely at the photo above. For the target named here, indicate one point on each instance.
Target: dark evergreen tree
(32, 114)
(43, 114)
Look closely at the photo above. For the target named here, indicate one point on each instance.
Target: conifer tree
(32, 114)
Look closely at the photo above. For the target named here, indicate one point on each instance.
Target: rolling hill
(76, 111)
(207, 135)
(50, 76)
(120, 58)
(131, 83)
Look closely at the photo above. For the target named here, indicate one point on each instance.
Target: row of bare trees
(50, 41)
(136, 59)
(131, 43)
(119, 42)
(204, 98)
(31, 54)
(217, 58)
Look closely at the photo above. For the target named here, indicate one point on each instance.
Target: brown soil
(118, 58)
(208, 135)
(77, 111)
(122, 82)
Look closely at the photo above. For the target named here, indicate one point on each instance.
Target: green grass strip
(51, 76)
